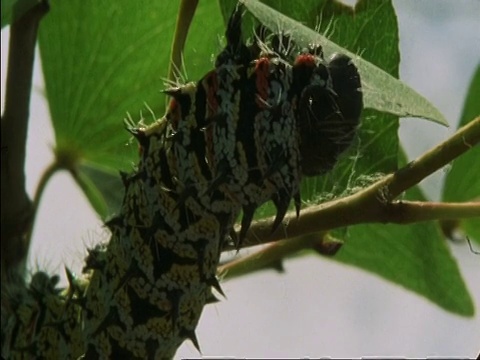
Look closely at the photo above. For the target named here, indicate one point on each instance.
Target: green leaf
(105, 188)
(93, 194)
(103, 60)
(415, 256)
(471, 108)
(462, 182)
(382, 91)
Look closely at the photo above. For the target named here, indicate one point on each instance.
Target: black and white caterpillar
(246, 133)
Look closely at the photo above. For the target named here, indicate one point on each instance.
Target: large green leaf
(103, 60)
(414, 256)
(462, 182)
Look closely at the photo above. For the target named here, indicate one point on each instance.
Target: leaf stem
(374, 203)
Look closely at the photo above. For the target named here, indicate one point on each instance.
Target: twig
(408, 212)
(16, 207)
(272, 255)
(46, 176)
(471, 247)
(463, 140)
(373, 204)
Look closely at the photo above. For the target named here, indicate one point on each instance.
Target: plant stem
(271, 256)
(46, 176)
(373, 204)
(16, 207)
(463, 140)
(407, 212)
(184, 19)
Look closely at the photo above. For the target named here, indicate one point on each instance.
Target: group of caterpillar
(244, 134)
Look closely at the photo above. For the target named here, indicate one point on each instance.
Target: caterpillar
(244, 134)
(42, 321)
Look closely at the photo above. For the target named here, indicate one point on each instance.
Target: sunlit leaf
(104, 61)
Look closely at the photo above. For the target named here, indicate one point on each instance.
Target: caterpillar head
(328, 111)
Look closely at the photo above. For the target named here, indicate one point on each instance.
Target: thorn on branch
(328, 247)
(476, 252)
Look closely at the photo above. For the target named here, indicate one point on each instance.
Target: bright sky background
(318, 307)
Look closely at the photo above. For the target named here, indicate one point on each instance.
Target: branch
(463, 140)
(271, 256)
(16, 207)
(373, 204)
(409, 212)
(402, 212)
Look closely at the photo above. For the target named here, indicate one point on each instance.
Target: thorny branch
(16, 206)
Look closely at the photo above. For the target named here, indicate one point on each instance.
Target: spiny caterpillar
(244, 134)
(42, 321)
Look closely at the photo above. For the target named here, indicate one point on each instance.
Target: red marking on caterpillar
(176, 113)
(262, 68)
(309, 60)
